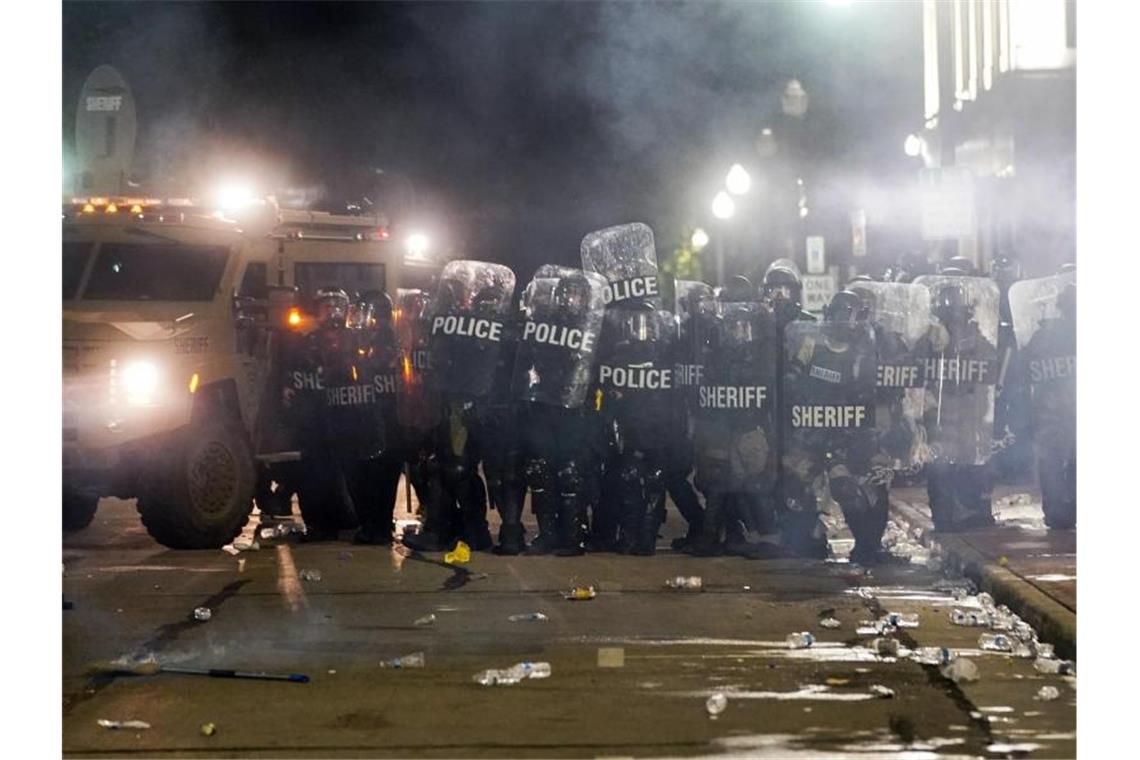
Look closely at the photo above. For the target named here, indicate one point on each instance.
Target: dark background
(511, 129)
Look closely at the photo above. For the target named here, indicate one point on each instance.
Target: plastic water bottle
(1041, 649)
(528, 617)
(495, 677)
(995, 642)
(413, 660)
(1048, 693)
(1050, 666)
(425, 620)
(801, 640)
(310, 575)
(685, 583)
(202, 614)
(716, 704)
(902, 619)
(829, 622)
(530, 670)
(933, 655)
(886, 647)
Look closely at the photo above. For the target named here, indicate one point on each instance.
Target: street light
(417, 245)
(722, 206)
(700, 239)
(738, 180)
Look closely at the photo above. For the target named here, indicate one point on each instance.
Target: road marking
(288, 584)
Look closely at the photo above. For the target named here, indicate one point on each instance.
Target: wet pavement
(631, 669)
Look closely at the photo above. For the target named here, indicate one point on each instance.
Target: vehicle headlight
(140, 381)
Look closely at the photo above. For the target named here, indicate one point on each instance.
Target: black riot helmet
(331, 306)
(486, 301)
(841, 317)
(784, 284)
(951, 305)
(953, 272)
(867, 303)
(1005, 271)
(963, 263)
(738, 288)
(380, 304)
(638, 322)
(572, 295)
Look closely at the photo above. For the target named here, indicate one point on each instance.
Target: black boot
(707, 543)
(512, 535)
(572, 520)
(545, 513)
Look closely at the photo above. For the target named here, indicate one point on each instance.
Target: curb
(1053, 621)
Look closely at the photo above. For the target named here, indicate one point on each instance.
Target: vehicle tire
(201, 492)
(78, 510)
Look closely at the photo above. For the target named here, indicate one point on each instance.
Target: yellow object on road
(460, 555)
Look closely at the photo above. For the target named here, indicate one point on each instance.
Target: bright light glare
(738, 180)
(722, 206)
(418, 244)
(233, 196)
(140, 381)
(700, 239)
(913, 145)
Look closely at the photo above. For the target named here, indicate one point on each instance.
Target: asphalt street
(631, 669)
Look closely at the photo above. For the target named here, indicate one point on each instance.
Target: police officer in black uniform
(322, 491)
(961, 366)
(373, 472)
(561, 442)
(830, 389)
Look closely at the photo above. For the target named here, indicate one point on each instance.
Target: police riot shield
(1044, 321)
(961, 367)
(899, 316)
(734, 406)
(362, 381)
(687, 371)
(635, 374)
(417, 403)
(472, 303)
(626, 257)
(828, 403)
(562, 311)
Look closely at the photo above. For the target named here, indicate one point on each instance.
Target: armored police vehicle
(172, 316)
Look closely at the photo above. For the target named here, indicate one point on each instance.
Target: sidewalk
(1023, 565)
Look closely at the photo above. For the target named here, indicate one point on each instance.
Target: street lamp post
(723, 208)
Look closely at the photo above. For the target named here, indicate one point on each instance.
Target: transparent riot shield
(562, 313)
(1044, 320)
(961, 367)
(417, 402)
(626, 257)
(735, 401)
(687, 373)
(829, 395)
(472, 304)
(1033, 302)
(899, 316)
(635, 374)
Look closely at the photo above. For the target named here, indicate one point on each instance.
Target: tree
(684, 263)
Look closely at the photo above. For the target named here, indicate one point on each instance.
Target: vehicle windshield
(156, 272)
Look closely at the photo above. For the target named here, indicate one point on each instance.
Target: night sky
(515, 127)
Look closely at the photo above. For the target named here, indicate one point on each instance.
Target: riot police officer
(636, 377)
(960, 368)
(829, 409)
(563, 311)
(374, 460)
(322, 490)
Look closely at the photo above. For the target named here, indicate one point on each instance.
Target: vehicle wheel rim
(213, 479)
